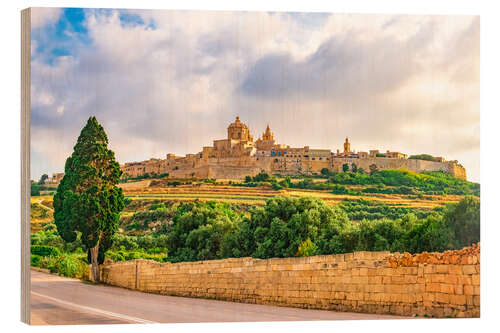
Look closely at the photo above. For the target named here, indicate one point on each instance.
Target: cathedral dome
(238, 123)
(239, 131)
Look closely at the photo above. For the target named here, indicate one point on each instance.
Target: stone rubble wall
(428, 284)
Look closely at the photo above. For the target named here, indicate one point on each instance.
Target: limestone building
(239, 155)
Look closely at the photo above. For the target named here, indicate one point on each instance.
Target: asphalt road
(61, 301)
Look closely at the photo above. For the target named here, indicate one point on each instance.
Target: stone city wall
(427, 284)
(240, 167)
(397, 163)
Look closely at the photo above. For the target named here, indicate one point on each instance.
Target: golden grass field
(42, 209)
(258, 195)
(41, 212)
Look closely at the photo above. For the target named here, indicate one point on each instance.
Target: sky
(171, 81)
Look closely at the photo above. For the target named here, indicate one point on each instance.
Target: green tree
(373, 169)
(261, 177)
(354, 167)
(345, 167)
(35, 189)
(464, 221)
(325, 172)
(43, 179)
(426, 157)
(87, 200)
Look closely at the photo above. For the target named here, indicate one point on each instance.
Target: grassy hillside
(272, 216)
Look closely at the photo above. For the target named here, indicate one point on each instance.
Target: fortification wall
(428, 284)
(223, 168)
(240, 167)
(395, 163)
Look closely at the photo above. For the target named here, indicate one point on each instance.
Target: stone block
(469, 269)
(447, 288)
(468, 290)
(455, 269)
(433, 287)
(442, 298)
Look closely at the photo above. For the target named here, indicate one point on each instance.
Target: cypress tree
(87, 200)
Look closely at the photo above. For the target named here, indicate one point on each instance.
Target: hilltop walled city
(239, 156)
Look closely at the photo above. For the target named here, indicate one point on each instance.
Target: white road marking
(108, 313)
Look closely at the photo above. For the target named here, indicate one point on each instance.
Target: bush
(425, 157)
(122, 255)
(326, 172)
(307, 249)
(261, 177)
(35, 190)
(34, 260)
(45, 251)
(69, 265)
(340, 189)
(276, 186)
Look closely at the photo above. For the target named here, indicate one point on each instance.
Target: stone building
(239, 155)
(56, 178)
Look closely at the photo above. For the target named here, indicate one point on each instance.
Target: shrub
(70, 265)
(34, 260)
(373, 169)
(44, 251)
(157, 205)
(307, 249)
(340, 189)
(326, 172)
(35, 189)
(425, 157)
(261, 177)
(276, 186)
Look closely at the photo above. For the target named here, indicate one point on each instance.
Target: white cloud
(41, 17)
(60, 109)
(407, 83)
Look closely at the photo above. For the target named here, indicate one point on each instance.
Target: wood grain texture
(25, 162)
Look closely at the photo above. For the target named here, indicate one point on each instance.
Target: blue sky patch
(63, 38)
